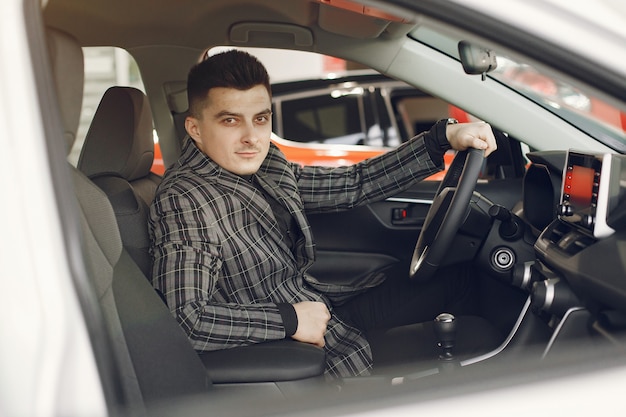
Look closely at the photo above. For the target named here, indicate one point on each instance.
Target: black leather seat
(138, 373)
(117, 156)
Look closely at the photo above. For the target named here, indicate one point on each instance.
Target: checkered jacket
(222, 263)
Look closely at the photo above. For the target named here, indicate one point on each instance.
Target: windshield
(604, 122)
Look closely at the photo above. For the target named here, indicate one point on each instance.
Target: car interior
(547, 276)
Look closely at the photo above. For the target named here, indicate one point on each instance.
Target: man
(231, 240)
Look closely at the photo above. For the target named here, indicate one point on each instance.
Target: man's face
(235, 128)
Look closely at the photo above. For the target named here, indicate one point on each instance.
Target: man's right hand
(313, 317)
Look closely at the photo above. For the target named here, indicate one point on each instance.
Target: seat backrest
(153, 358)
(66, 62)
(117, 156)
(154, 355)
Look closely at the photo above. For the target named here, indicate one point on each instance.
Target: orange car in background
(338, 155)
(316, 154)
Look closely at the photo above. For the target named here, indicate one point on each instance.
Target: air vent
(569, 239)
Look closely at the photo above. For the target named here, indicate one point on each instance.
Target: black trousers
(399, 301)
(396, 318)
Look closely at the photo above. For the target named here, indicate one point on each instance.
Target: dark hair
(230, 69)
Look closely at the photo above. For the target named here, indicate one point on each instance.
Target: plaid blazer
(221, 260)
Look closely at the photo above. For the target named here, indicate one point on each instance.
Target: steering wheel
(446, 214)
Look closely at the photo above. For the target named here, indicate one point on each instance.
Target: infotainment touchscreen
(585, 192)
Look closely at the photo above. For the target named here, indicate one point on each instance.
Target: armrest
(280, 360)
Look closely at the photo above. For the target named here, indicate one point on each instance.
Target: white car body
(47, 364)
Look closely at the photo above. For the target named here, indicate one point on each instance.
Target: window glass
(591, 114)
(323, 119)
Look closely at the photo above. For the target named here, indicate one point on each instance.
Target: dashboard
(576, 204)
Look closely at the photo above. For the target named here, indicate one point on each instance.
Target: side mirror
(476, 59)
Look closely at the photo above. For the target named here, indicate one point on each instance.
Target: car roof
(167, 22)
(314, 25)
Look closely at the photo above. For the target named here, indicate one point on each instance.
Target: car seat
(117, 156)
(140, 349)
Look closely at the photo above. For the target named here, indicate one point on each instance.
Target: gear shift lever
(445, 331)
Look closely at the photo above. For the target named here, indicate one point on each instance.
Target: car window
(327, 100)
(351, 113)
(324, 119)
(591, 114)
(354, 107)
(417, 111)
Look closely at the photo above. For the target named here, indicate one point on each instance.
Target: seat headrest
(66, 60)
(120, 140)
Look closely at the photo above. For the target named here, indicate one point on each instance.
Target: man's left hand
(471, 135)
